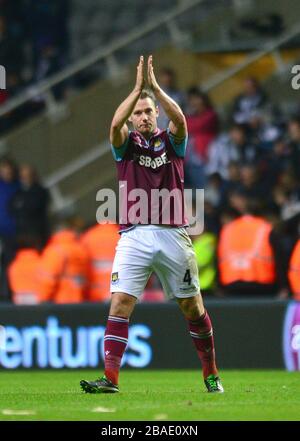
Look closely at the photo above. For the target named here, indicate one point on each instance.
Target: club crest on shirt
(158, 145)
(114, 277)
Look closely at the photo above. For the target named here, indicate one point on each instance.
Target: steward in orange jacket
(100, 241)
(246, 258)
(23, 277)
(63, 269)
(294, 272)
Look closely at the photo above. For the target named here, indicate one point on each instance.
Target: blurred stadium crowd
(248, 163)
(249, 167)
(34, 44)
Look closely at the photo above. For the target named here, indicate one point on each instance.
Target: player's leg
(130, 273)
(201, 331)
(115, 342)
(178, 272)
(116, 333)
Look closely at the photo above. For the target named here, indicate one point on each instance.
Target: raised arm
(119, 129)
(177, 123)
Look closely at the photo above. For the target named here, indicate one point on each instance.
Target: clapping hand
(153, 84)
(140, 80)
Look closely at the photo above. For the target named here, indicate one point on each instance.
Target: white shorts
(166, 251)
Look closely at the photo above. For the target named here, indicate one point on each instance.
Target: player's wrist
(157, 91)
(138, 89)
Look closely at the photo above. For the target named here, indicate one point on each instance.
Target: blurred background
(69, 63)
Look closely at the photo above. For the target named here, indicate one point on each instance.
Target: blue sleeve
(178, 144)
(119, 152)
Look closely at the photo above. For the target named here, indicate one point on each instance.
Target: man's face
(294, 131)
(196, 104)
(238, 202)
(144, 117)
(166, 80)
(248, 175)
(6, 172)
(237, 136)
(250, 87)
(26, 174)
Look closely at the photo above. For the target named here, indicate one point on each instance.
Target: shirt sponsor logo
(147, 161)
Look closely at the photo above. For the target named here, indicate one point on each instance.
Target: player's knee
(192, 307)
(122, 305)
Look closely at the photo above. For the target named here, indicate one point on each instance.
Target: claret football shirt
(151, 179)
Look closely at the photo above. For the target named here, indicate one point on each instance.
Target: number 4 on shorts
(187, 277)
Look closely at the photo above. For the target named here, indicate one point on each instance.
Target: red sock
(202, 334)
(115, 342)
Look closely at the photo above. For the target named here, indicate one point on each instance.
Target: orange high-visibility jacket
(100, 242)
(23, 277)
(244, 251)
(63, 269)
(294, 271)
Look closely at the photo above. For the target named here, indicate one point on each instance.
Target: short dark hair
(147, 93)
(167, 71)
(197, 92)
(8, 161)
(242, 127)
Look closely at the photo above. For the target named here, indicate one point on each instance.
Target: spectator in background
(287, 195)
(47, 20)
(220, 153)
(252, 98)
(251, 183)
(246, 152)
(168, 82)
(29, 205)
(202, 122)
(232, 146)
(205, 249)
(100, 242)
(263, 132)
(214, 189)
(11, 56)
(49, 63)
(34, 44)
(249, 257)
(23, 272)
(14, 86)
(64, 268)
(9, 185)
(276, 161)
(294, 134)
(11, 47)
(294, 272)
(233, 180)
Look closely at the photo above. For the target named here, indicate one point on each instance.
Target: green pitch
(150, 396)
